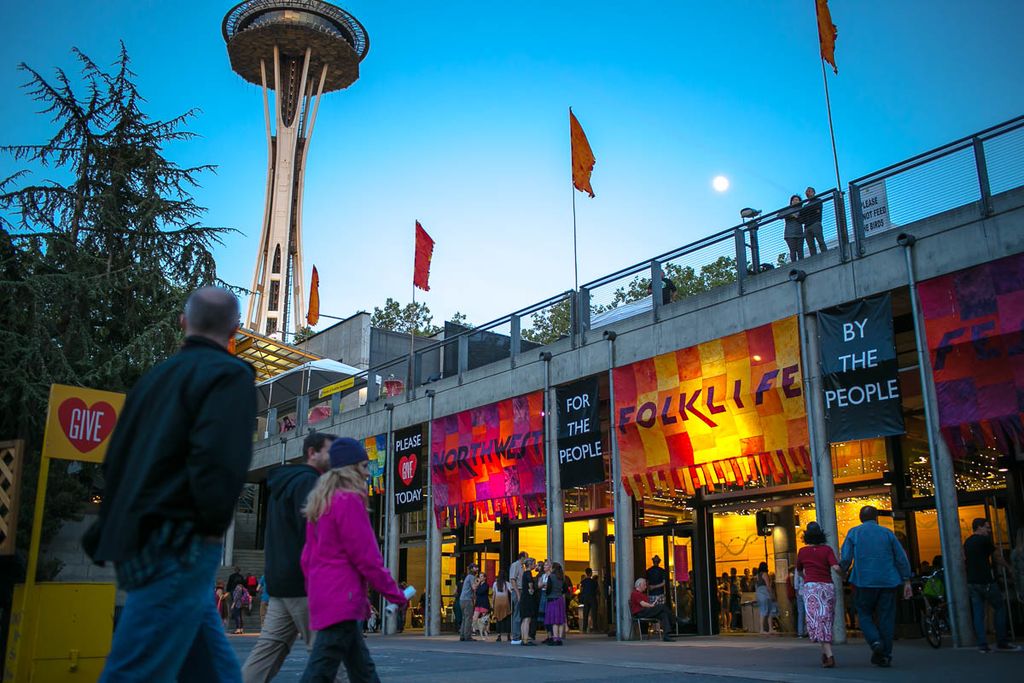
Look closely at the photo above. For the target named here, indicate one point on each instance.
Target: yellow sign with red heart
(79, 422)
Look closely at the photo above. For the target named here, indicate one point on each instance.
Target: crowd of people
(173, 472)
(183, 444)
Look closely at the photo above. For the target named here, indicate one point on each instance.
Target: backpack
(934, 587)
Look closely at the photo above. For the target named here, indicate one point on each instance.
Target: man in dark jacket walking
(176, 464)
(288, 613)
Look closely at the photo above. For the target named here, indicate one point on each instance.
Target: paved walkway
(598, 659)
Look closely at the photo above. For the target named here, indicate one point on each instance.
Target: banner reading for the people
(861, 375)
(580, 452)
(489, 461)
(377, 450)
(725, 412)
(408, 471)
(974, 319)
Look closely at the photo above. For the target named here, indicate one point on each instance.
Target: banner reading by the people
(580, 451)
(410, 464)
(489, 461)
(974, 319)
(861, 375)
(724, 412)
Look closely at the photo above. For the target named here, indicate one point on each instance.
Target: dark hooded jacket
(288, 487)
(180, 451)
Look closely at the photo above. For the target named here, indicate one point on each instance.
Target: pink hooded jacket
(340, 559)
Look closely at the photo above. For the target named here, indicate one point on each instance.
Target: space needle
(299, 49)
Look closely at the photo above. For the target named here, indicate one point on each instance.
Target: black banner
(580, 451)
(410, 463)
(861, 375)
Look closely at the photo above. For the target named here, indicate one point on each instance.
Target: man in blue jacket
(288, 612)
(880, 565)
(177, 461)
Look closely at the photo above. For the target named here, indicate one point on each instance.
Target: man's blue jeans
(170, 630)
(980, 594)
(876, 611)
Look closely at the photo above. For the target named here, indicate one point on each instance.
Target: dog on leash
(482, 624)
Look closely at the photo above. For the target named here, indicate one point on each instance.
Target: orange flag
(313, 315)
(582, 156)
(827, 33)
(424, 252)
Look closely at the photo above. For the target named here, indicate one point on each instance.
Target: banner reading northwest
(489, 461)
(974, 320)
(725, 412)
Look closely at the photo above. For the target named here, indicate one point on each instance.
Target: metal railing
(967, 171)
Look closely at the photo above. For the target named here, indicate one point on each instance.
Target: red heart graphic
(407, 468)
(86, 427)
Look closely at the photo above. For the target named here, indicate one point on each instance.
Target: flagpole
(412, 325)
(572, 188)
(831, 128)
(575, 266)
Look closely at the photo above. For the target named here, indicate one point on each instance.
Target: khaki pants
(286, 619)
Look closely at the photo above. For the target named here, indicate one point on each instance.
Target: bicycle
(933, 619)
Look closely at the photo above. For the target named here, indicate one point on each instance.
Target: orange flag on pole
(424, 252)
(827, 33)
(313, 314)
(582, 156)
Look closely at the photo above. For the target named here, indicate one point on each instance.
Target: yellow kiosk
(62, 631)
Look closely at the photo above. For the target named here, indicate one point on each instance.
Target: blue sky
(459, 120)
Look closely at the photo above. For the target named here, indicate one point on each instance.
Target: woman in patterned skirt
(554, 610)
(816, 561)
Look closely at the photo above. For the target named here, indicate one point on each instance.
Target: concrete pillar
(702, 573)
(622, 507)
(598, 554)
(229, 545)
(821, 459)
(390, 518)
(784, 545)
(555, 507)
(942, 473)
(432, 606)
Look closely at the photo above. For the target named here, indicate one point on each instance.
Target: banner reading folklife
(489, 461)
(974, 320)
(860, 372)
(408, 469)
(725, 412)
(377, 450)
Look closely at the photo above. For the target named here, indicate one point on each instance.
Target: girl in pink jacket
(340, 560)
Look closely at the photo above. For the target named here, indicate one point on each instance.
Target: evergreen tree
(95, 266)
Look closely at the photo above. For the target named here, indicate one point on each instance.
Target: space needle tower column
(300, 49)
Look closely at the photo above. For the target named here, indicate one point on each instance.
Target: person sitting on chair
(642, 608)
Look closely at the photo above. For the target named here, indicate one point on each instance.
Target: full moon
(720, 183)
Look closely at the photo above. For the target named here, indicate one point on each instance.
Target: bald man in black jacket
(177, 461)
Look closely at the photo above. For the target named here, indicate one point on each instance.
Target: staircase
(250, 562)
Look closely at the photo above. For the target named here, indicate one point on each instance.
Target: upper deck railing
(967, 171)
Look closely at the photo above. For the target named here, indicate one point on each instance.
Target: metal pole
(432, 605)
(831, 129)
(572, 188)
(623, 517)
(555, 509)
(942, 472)
(821, 457)
(390, 518)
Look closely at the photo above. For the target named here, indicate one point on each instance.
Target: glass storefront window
(855, 458)
(978, 471)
